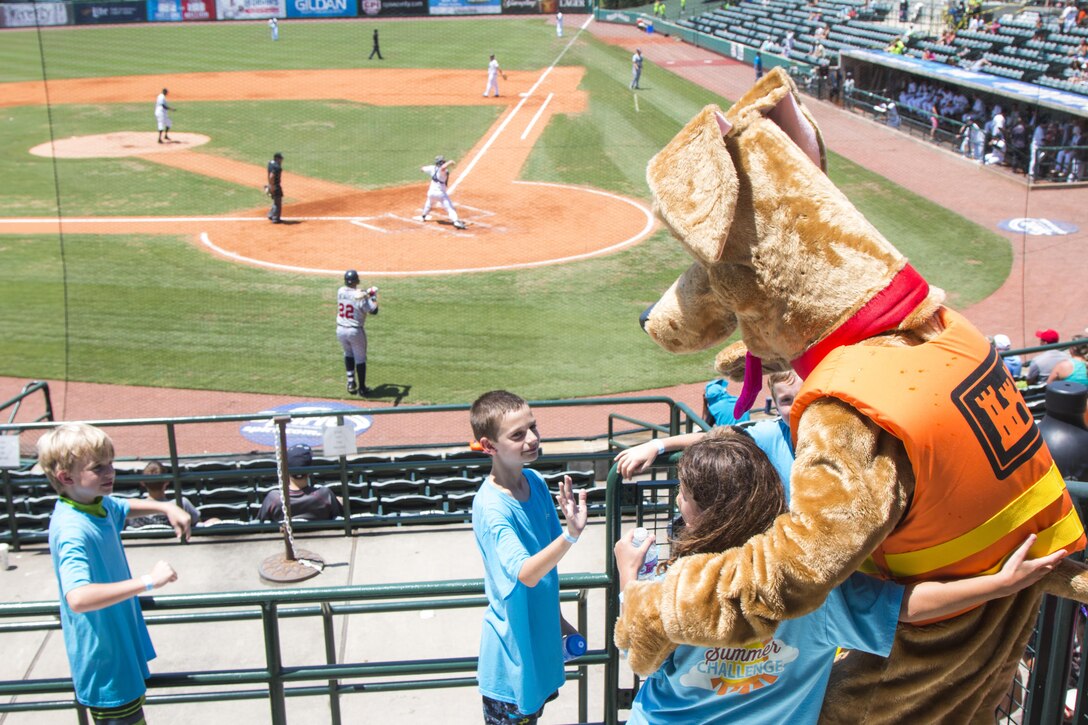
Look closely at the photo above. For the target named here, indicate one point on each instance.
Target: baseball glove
(267, 190)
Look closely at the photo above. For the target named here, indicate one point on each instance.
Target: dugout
(884, 73)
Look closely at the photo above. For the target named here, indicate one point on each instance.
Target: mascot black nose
(645, 317)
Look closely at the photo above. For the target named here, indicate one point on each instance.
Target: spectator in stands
(519, 536)
(308, 502)
(772, 436)
(1068, 17)
(1042, 364)
(1075, 369)
(1040, 30)
(156, 491)
(1013, 363)
(104, 631)
(787, 43)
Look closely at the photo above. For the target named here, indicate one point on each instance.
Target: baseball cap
(1002, 342)
(277, 155)
(1048, 336)
(299, 455)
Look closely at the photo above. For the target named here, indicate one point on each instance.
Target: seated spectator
(1042, 364)
(308, 502)
(1075, 370)
(1013, 363)
(156, 491)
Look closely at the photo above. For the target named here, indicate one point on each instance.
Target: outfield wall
(46, 14)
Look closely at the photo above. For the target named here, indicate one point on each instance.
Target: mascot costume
(916, 456)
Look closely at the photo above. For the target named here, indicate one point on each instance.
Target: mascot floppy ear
(695, 185)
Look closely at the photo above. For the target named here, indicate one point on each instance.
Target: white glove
(372, 291)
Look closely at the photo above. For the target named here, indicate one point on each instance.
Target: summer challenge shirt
(108, 649)
(781, 680)
(521, 659)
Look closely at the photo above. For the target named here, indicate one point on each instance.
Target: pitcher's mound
(117, 144)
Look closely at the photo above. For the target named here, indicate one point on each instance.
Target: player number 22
(347, 311)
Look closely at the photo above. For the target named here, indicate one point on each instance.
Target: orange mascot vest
(984, 477)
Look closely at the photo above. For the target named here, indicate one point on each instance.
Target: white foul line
(464, 173)
(536, 117)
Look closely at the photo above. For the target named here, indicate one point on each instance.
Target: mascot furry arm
(782, 254)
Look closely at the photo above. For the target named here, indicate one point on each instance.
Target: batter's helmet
(351, 277)
(439, 160)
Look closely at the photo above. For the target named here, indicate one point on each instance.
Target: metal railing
(31, 388)
(678, 414)
(275, 681)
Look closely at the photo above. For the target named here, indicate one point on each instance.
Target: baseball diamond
(508, 217)
(550, 179)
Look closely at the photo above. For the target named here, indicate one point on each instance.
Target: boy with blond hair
(519, 536)
(104, 631)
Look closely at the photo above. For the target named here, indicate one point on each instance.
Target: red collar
(885, 311)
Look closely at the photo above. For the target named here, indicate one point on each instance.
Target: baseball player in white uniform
(493, 72)
(352, 307)
(559, 25)
(162, 118)
(274, 26)
(439, 172)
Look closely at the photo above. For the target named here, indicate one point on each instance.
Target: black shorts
(131, 713)
(497, 712)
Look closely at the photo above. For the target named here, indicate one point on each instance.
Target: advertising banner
(164, 11)
(574, 6)
(130, 11)
(372, 8)
(321, 8)
(198, 9)
(520, 6)
(29, 15)
(250, 9)
(465, 7)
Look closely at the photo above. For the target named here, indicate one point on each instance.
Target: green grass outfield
(156, 310)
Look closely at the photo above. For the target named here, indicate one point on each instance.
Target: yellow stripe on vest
(1026, 506)
(1049, 540)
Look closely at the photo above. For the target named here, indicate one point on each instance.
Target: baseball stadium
(146, 290)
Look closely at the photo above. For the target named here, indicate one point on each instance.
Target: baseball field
(123, 261)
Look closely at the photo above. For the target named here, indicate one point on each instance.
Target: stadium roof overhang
(1029, 93)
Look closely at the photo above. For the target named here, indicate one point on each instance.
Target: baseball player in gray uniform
(352, 307)
(439, 172)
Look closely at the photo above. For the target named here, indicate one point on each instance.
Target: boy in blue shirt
(729, 491)
(519, 536)
(104, 631)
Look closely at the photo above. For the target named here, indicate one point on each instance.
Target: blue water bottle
(574, 646)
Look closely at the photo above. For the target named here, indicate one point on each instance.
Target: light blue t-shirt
(108, 649)
(773, 438)
(521, 658)
(781, 680)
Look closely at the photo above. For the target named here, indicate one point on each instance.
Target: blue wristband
(571, 539)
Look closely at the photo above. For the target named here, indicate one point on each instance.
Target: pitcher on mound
(439, 172)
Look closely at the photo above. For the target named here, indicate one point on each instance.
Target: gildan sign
(321, 8)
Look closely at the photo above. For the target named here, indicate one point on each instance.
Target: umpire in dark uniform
(275, 187)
